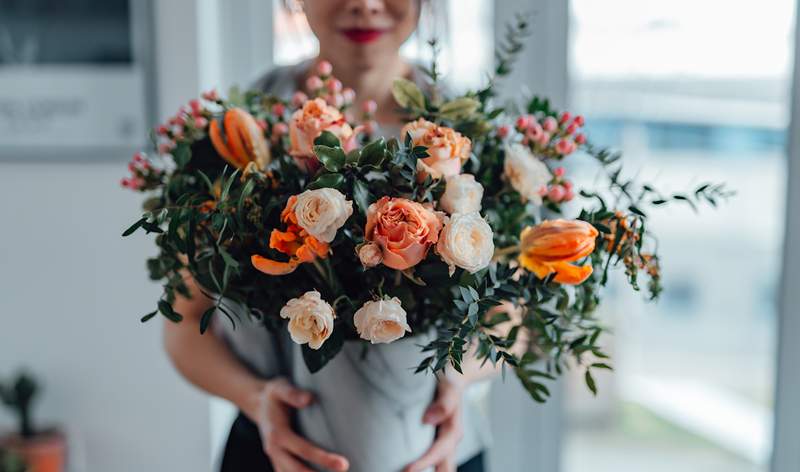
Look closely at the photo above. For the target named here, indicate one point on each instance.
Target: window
(687, 95)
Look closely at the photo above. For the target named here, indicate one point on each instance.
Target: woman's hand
(445, 413)
(271, 410)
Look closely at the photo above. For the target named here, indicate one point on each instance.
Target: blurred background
(693, 91)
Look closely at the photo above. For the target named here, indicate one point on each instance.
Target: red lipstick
(362, 35)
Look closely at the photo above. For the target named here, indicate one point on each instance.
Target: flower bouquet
(356, 243)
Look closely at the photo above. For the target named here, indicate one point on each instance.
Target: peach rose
(447, 149)
(404, 231)
(308, 123)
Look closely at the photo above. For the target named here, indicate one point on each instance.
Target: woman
(361, 39)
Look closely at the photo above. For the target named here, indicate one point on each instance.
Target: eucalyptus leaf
(408, 95)
(459, 108)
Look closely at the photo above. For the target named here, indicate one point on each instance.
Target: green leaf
(327, 181)
(327, 139)
(227, 188)
(408, 95)
(591, 383)
(459, 108)
(205, 320)
(166, 309)
(207, 181)
(149, 316)
(333, 158)
(361, 196)
(246, 192)
(182, 155)
(132, 229)
(373, 153)
(353, 156)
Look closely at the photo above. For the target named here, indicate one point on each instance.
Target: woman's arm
(204, 359)
(207, 362)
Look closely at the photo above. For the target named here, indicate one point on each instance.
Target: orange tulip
(551, 246)
(295, 242)
(244, 140)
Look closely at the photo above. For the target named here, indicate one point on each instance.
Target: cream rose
(322, 212)
(381, 321)
(447, 149)
(467, 242)
(310, 319)
(527, 173)
(462, 194)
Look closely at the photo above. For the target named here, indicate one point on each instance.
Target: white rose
(322, 212)
(310, 319)
(526, 172)
(462, 194)
(467, 242)
(381, 321)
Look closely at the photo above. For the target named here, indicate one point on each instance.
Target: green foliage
(18, 395)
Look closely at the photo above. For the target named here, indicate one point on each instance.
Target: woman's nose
(365, 7)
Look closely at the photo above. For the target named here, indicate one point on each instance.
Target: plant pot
(369, 408)
(45, 452)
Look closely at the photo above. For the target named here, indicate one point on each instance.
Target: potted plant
(40, 450)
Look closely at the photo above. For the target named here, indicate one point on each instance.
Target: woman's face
(364, 33)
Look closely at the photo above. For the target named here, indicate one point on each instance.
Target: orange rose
(295, 242)
(551, 246)
(244, 140)
(308, 123)
(404, 231)
(447, 149)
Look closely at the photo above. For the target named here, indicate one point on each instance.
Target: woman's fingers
(282, 461)
(443, 447)
(311, 453)
(447, 465)
(446, 404)
(282, 390)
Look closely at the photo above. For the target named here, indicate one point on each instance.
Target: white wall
(71, 294)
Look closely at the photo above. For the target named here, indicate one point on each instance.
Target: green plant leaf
(459, 108)
(166, 309)
(327, 139)
(149, 316)
(327, 181)
(333, 158)
(205, 320)
(373, 153)
(408, 95)
(361, 196)
(132, 229)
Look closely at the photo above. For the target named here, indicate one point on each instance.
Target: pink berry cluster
(324, 85)
(551, 137)
(190, 121)
(143, 175)
(559, 190)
